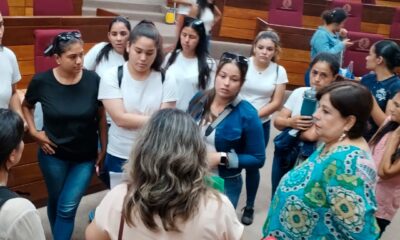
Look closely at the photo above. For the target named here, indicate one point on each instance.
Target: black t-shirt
(69, 113)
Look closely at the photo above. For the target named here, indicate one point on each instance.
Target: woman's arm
(93, 232)
(168, 105)
(15, 102)
(101, 114)
(217, 15)
(377, 114)
(284, 120)
(122, 118)
(40, 136)
(388, 169)
(275, 103)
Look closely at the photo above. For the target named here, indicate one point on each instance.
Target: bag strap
(6, 194)
(120, 74)
(223, 115)
(121, 226)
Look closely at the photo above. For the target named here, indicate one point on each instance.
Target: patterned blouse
(329, 196)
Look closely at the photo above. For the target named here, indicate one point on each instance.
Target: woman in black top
(72, 119)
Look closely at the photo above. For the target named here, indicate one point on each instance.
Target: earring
(343, 136)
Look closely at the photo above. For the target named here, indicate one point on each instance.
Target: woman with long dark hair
(189, 64)
(132, 92)
(385, 146)
(383, 82)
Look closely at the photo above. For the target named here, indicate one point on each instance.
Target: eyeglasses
(232, 56)
(66, 36)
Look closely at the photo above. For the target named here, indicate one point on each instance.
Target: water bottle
(309, 102)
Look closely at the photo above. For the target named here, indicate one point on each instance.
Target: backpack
(121, 74)
(6, 194)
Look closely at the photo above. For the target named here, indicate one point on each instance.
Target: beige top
(19, 220)
(215, 220)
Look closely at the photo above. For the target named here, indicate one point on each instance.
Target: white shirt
(9, 75)
(295, 100)
(114, 59)
(185, 9)
(259, 87)
(185, 72)
(19, 220)
(142, 97)
(207, 17)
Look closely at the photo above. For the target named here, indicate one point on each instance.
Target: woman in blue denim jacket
(237, 141)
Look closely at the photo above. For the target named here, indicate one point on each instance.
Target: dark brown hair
(350, 99)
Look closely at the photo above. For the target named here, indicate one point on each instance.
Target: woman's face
(329, 124)
(395, 108)
(321, 75)
(228, 82)
(142, 54)
(72, 59)
(189, 40)
(264, 50)
(118, 36)
(372, 59)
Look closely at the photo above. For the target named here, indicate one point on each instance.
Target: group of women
(171, 158)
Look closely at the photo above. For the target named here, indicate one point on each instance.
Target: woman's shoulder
(9, 53)
(246, 106)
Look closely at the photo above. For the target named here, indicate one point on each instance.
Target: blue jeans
(233, 187)
(112, 164)
(253, 175)
(66, 182)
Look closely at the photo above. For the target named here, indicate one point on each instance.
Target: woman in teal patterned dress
(332, 194)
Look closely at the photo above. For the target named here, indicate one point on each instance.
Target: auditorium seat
(359, 51)
(4, 8)
(395, 27)
(286, 12)
(53, 7)
(43, 38)
(368, 1)
(354, 10)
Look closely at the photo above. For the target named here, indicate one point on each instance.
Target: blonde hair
(166, 171)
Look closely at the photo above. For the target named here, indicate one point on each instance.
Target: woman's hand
(396, 134)
(301, 122)
(99, 161)
(347, 42)
(45, 144)
(214, 158)
(343, 33)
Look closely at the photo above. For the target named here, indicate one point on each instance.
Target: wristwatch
(224, 159)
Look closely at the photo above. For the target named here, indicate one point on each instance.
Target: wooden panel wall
(25, 7)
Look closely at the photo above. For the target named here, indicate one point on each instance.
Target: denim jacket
(325, 41)
(240, 134)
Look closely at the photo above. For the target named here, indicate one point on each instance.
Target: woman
(133, 92)
(324, 70)
(231, 126)
(19, 219)
(69, 139)
(386, 153)
(189, 64)
(9, 76)
(264, 88)
(332, 194)
(209, 13)
(165, 195)
(383, 58)
(330, 37)
(105, 55)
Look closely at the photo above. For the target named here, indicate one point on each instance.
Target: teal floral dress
(329, 196)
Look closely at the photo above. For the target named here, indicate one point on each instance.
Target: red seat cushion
(4, 8)
(53, 7)
(395, 28)
(286, 12)
(359, 51)
(354, 11)
(43, 38)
